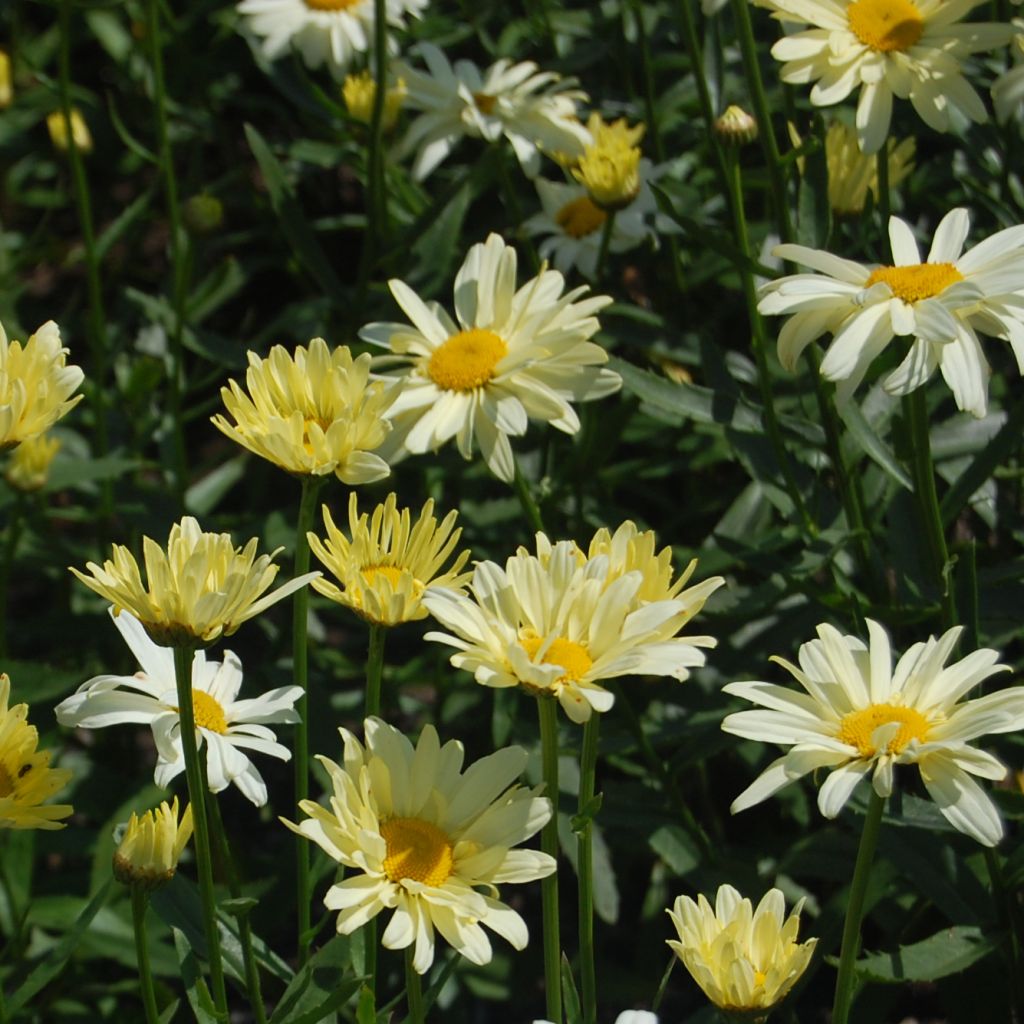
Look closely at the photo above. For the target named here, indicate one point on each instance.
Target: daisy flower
(901, 48)
(312, 412)
(941, 304)
(859, 716)
(199, 588)
(428, 840)
(228, 726)
(609, 167)
(530, 107)
(510, 356)
(36, 385)
(26, 778)
(573, 223)
(554, 624)
(743, 959)
(331, 32)
(389, 562)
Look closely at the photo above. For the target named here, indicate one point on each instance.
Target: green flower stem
(663, 985)
(884, 199)
(252, 970)
(300, 669)
(607, 230)
(377, 228)
(437, 986)
(762, 113)
(139, 902)
(97, 316)
(179, 259)
(547, 708)
(375, 669)
(413, 991)
(915, 409)
(197, 797)
(1008, 915)
(855, 909)
(12, 535)
(530, 507)
(585, 868)
(647, 67)
(760, 344)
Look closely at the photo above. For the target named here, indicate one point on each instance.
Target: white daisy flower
(531, 108)
(901, 48)
(428, 840)
(1008, 89)
(228, 726)
(573, 223)
(859, 716)
(331, 32)
(558, 624)
(512, 356)
(941, 303)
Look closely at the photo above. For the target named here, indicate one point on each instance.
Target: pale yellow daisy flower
(744, 959)
(388, 562)
(609, 168)
(428, 840)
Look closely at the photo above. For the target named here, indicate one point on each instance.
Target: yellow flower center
(918, 281)
(580, 217)
(566, 653)
(392, 573)
(466, 360)
(857, 728)
(417, 850)
(322, 423)
(330, 5)
(207, 712)
(885, 25)
(484, 102)
(759, 977)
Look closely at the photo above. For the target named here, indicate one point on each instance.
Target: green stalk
(530, 507)
(884, 199)
(585, 867)
(760, 344)
(663, 985)
(12, 535)
(97, 316)
(197, 797)
(762, 113)
(547, 708)
(855, 909)
(375, 669)
(139, 901)
(300, 669)
(1008, 915)
(607, 230)
(915, 409)
(413, 991)
(647, 67)
(179, 262)
(252, 970)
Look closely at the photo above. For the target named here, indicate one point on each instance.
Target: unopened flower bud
(736, 127)
(203, 213)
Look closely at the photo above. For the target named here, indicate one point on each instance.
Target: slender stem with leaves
(197, 797)
(585, 866)
(547, 708)
(139, 904)
(413, 991)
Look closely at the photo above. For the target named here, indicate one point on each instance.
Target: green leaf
(873, 446)
(573, 1011)
(947, 952)
(366, 1012)
(54, 960)
(296, 227)
(206, 493)
(675, 848)
(323, 984)
(814, 212)
(124, 220)
(192, 978)
(16, 877)
(587, 814)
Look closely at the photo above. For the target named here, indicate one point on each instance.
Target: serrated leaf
(947, 952)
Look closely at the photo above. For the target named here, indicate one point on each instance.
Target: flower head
(390, 562)
(609, 168)
(744, 959)
(529, 107)
(558, 623)
(26, 778)
(311, 412)
(28, 468)
(422, 837)
(901, 48)
(199, 588)
(860, 716)
(57, 126)
(331, 32)
(359, 92)
(228, 726)
(511, 356)
(941, 304)
(150, 847)
(36, 385)
(735, 127)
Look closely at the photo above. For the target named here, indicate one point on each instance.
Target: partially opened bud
(151, 845)
(736, 127)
